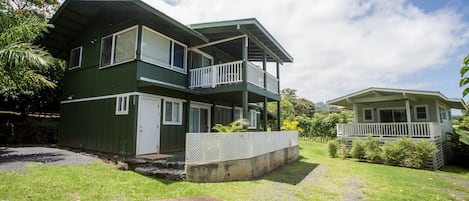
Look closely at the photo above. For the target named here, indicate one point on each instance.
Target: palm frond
(25, 55)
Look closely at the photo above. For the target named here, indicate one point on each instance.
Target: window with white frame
(421, 112)
(172, 112)
(368, 114)
(161, 50)
(200, 59)
(443, 114)
(252, 118)
(75, 57)
(122, 105)
(119, 47)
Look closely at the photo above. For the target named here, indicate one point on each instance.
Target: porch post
(278, 77)
(245, 103)
(355, 114)
(279, 126)
(264, 67)
(409, 120)
(187, 120)
(245, 99)
(265, 114)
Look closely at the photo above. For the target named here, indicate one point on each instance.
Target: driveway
(15, 158)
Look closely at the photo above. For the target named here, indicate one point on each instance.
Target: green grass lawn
(314, 177)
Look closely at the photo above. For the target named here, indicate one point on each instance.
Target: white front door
(148, 127)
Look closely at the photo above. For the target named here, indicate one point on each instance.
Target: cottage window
(122, 105)
(443, 115)
(161, 50)
(172, 112)
(392, 115)
(368, 114)
(119, 47)
(421, 112)
(75, 57)
(200, 59)
(252, 117)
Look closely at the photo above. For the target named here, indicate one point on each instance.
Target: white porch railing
(415, 129)
(228, 73)
(215, 147)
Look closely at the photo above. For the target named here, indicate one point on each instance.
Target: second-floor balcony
(231, 73)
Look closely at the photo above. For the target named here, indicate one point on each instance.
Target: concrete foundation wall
(242, 169)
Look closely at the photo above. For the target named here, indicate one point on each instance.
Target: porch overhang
(373, 95)
(260, 40)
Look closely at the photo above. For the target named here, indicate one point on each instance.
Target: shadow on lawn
(292, 173)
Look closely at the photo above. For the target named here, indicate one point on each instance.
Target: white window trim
(240, 112)
(162, 64)
(445, 114)
(113, 47)
(253, 117)
(70, 67)
(426, 112)
(179, 120)
(372, 115)
(122, 100)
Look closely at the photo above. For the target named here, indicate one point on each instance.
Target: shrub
(235, 126)
(358, 149)
(372, 150)
(333, 147)
(408, 153)
(344, 151)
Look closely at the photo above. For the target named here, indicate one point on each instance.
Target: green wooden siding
(93, 125)
(161, 74)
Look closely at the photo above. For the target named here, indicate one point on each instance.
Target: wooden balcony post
(279, 121)
(245, 43)
(264, 67)
(278, 77)
(265, 114)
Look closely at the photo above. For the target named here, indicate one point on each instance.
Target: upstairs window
(122, 105)
(421, 112)
(75, 57)
(163, 51)
(172, 112)
(368, 114)
(119, 47)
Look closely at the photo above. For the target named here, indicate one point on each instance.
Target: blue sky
(342, 46)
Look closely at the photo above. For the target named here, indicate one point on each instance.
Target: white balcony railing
(255, 75)
(414, 130)
(229, 73)
(211, 76)
(272, 83)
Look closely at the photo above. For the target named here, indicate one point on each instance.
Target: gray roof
(347, 100)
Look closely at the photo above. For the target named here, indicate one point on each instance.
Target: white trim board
(121, 94)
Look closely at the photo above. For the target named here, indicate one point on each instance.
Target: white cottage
(391, 113)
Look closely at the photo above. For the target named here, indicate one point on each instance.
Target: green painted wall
(93, 125)
(161, 74)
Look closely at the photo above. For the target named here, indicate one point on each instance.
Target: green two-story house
(137, 80)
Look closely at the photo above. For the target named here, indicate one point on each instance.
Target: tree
(289, 94)
(24, 67)
(464, 80)
(42, 7)
(304, 106)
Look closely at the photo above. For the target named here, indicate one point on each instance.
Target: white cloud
(341, 46)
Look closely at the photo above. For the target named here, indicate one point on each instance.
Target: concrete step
(163, 173)
(135, 162)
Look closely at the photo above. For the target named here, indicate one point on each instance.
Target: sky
(343, 46)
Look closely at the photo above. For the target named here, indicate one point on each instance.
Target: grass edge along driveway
(314, 177)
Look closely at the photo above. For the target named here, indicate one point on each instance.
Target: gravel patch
(15, 158)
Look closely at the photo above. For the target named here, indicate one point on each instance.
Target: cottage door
(199, 119)
(148, 128)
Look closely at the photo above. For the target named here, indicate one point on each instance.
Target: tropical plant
(358, 149)
(291, 126)
(235, 126)
(464, 80)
